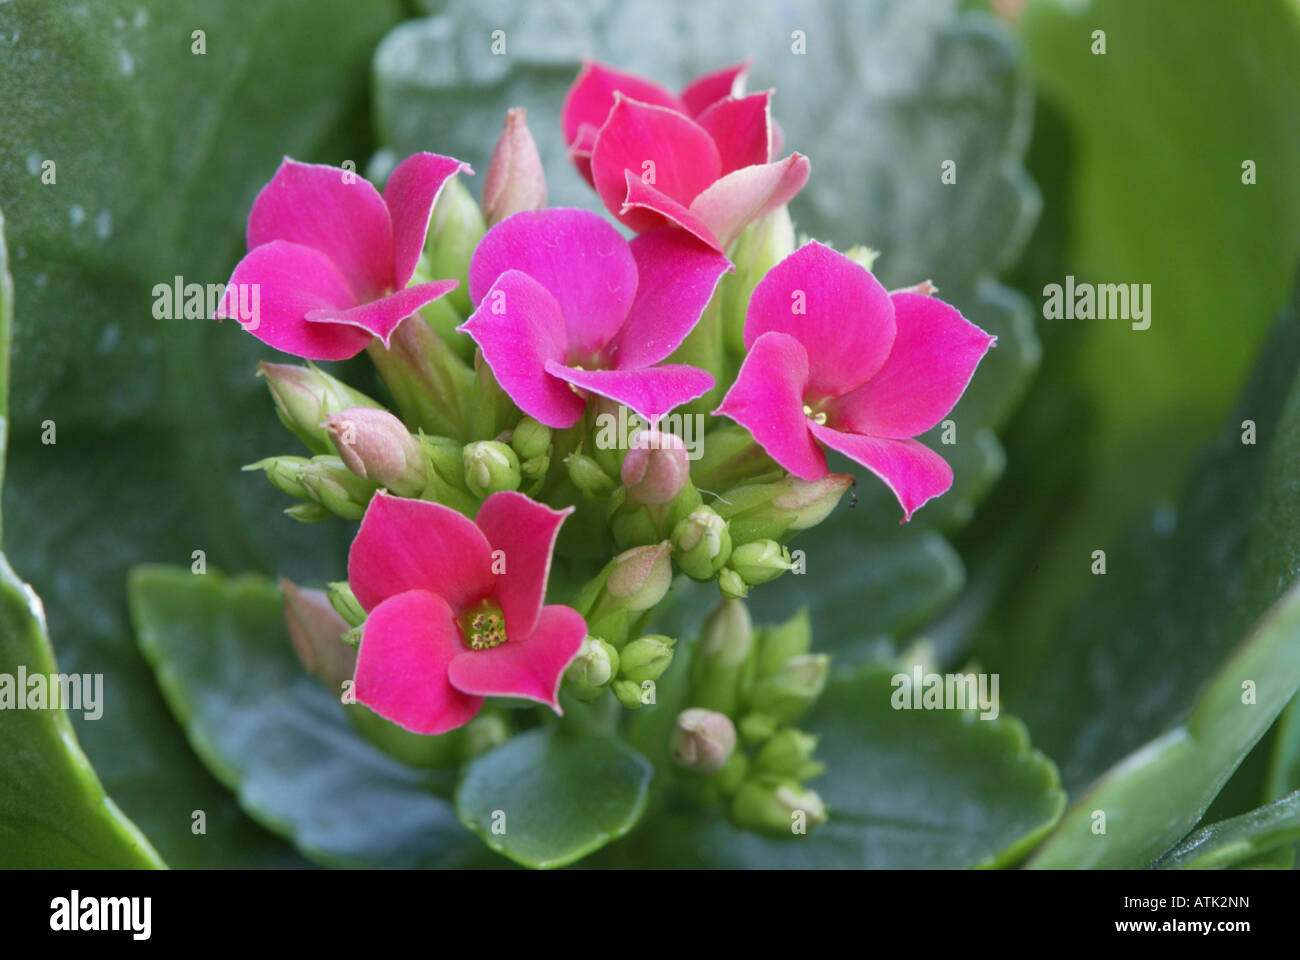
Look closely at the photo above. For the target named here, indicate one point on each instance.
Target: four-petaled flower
(332, 257)
(455, 609)
(702, 161)
(563, 302)
(835, 359)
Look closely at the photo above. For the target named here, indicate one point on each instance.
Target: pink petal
(742, 129)
(530, 668)
(524, 531)
(416, 545)
(847, 323)
(591, 97)
(289, 280)
(407, 645)
(646, 208)
(744, 195)
(578, 257)
(767, 400)
(381, 317)
(580, 151)
(664, 149)
(933, 358)
(702, 92)
(519, 328)
(913, 471)
(676, 278)
(410, 193)
(336, 212)
(650, 391)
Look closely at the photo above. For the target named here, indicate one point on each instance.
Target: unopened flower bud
(776, 509)
(283, 473)
(309, 512)
(788, 693)
(491, 466)
(337, 488)
(777, 807)
(646, 658)
(656, 468)
(702, 543)
(788, 754)
(530, 439)
(761, 246)
(862, 255)
(587, 476)
(455, 229)
(703, 740)
(760, 561)
(640, 577)
(481, 734)
(345, 602)
(376, 445)
(592, 669)
(630, 694)
(720, 666)
(305, 396)
(315, 630)
(780, 643)
(515, 179)
(732, 585)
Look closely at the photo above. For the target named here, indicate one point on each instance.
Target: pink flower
(563, 302)
(834, 359)
(701, 161)
(455, 609)
(331, 257)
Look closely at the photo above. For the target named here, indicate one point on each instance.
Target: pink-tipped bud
(515, 179)
(374, 444)
(656, 468)
(703, 740)
(316, 631)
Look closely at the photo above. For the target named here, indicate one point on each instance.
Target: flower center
(483, 626)
(815, 413)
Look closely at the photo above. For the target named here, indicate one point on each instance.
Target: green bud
(587, 476)
(863, 256)
(703, 740)
(756, 727)
(345, 602)
(780, 808)
(732, 585)
(283, 472)
(490, 466)
(337, 488)
(788, 693)
(720, 666)
(646, 658)
(702, 543)
(305, 396)
(638, 579)
(788, 754)
(596, 664)
(455, 229)
(774, 510)
(733, 773)
(629, 693)
(761, 246)
(760, 561)
(308, 512)
(778, 644)
(481, 734)
(531, 439)
(353, 637)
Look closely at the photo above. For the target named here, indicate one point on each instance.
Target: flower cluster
(616, 411)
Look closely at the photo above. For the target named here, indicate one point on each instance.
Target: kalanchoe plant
(538, 418)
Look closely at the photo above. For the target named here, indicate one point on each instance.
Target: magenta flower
(455, 609)
(332, 258)
(834, 359)
(702, 161)
(563, 302)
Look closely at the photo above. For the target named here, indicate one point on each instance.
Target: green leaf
(905, 788)
(272, 734)
(158, 153)
(885, 94)
(550, 797)
(1239, 840)
(1156, 794)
